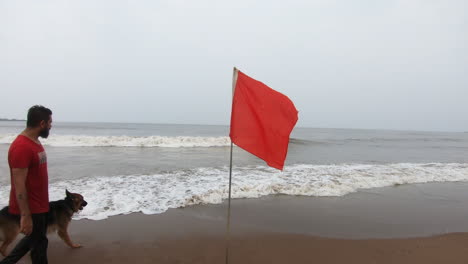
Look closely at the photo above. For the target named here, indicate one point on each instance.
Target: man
(29, 195)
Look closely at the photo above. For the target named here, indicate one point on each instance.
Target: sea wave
(126, 141)
(153, 194)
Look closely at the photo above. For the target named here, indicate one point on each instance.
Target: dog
(58, 219)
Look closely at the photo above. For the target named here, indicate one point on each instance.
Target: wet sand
(422, 223)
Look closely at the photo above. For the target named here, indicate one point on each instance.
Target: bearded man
(29, 194)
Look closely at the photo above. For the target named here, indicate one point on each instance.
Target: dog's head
(78, 202)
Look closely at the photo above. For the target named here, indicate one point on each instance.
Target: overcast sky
(393, 64)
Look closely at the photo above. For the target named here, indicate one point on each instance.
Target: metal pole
(228, 227)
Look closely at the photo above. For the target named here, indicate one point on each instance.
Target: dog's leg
(10, 235)
(63, 233)
(3, 248)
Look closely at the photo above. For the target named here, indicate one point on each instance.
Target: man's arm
(19, 180)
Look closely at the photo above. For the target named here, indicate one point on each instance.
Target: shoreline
(419, 223)
(402, 211)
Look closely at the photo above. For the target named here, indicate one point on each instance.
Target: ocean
(122, 168)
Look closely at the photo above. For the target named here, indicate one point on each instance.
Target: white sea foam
(126, 141)
(153, 194)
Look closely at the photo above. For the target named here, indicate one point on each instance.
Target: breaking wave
(153, 194)
(127, 141)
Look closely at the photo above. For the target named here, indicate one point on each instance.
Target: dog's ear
(68, 193)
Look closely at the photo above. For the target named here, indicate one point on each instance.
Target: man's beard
(44, 133)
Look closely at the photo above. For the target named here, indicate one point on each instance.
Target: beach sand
(422, 223)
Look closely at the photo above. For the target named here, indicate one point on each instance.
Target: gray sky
(394, 64)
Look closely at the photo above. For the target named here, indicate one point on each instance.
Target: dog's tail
(3, 219)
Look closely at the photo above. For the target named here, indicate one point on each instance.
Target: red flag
(261, 120)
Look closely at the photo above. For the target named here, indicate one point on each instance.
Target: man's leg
(40, 243)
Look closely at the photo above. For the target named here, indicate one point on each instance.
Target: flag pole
(228, 225)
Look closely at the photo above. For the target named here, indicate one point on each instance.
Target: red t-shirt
(25, 153)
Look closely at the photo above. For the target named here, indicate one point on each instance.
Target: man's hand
(26, 224)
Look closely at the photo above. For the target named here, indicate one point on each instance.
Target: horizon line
(192, 124)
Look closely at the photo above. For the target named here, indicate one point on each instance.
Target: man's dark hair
(36, 114)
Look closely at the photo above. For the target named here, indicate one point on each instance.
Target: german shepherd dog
(58, 219)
